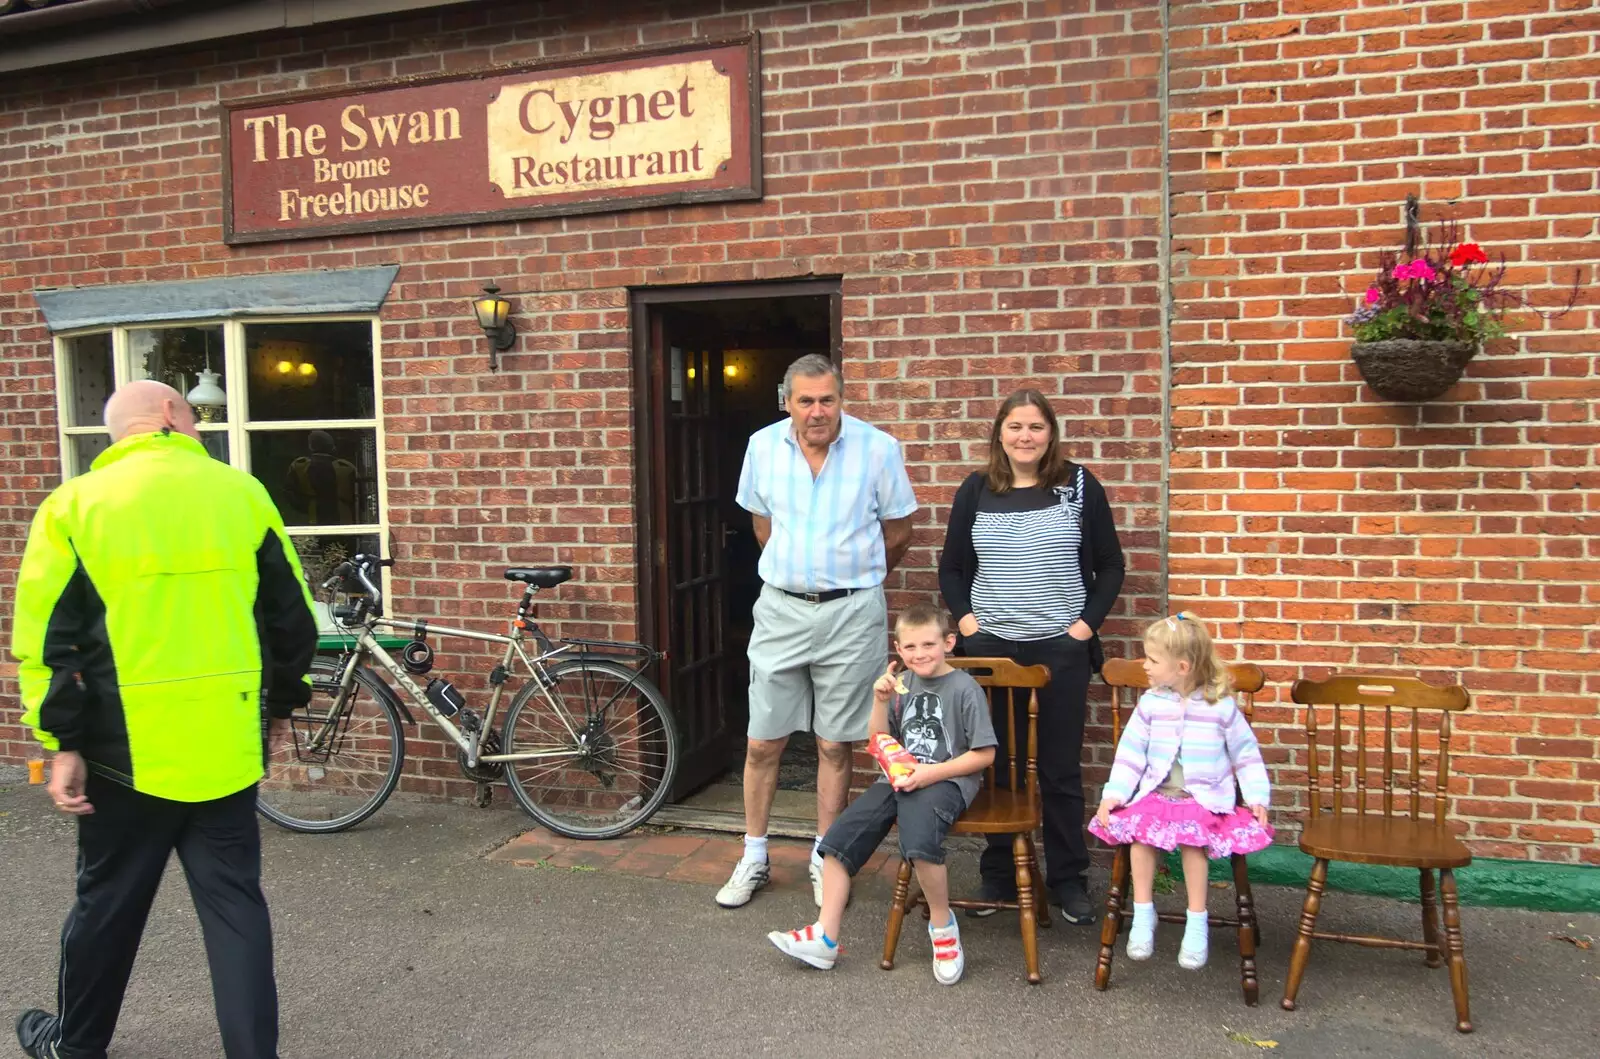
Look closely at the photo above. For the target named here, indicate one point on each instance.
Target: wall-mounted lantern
(494, 316)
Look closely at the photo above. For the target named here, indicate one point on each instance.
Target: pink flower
(1372, 295)
(1418, 269)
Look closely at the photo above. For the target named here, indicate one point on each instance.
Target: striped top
(1213, 738)
(1028, 585)
(825, 530)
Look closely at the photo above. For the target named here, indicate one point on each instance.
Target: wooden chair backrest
(1126, 679)
(1347, 701)
(1003, 681)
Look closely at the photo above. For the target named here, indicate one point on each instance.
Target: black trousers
(123, 847)
(1063, 707)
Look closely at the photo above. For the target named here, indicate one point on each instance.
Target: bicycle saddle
(540, 576)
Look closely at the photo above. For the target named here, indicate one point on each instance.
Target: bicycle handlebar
(360, 569)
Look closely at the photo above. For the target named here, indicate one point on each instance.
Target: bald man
(159, 608)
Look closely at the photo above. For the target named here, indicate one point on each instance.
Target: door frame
(649, 421)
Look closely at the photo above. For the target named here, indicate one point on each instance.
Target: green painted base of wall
(1486, 881)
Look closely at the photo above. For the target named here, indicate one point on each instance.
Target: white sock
(755, 849)
(816, 851)
(1196, 932)
(1144, 925)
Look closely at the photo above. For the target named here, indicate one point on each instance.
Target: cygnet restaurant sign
(643, 128)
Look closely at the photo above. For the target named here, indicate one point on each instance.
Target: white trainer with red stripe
(806, 945)
(948, 960)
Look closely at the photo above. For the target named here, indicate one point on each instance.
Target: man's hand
(277, 733)
(1260, 813)
(67, 776)
(1079, 630)
(968, 625)
(921, 775)
(1104, 813)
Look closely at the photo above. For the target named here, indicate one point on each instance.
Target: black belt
(820, 597)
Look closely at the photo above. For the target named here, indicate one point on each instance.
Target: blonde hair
(1184, 638)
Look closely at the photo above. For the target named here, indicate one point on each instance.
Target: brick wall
(1321, 526)
(985, 176)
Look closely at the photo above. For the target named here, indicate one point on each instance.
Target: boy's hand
(887, 685)
(919, 777)
(1104, 813)
(1260, 813)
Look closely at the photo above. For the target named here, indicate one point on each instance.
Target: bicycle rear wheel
(318, 787)
(609, 749)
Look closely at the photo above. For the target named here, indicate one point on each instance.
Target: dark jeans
(924, 815)
(123, 848)
(1063, 706)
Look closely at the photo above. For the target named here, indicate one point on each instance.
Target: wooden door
(690, 569)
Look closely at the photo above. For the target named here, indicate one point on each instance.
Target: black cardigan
(1099, 551)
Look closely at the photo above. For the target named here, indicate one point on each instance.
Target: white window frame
(238, 426)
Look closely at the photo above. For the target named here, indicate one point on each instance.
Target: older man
(832, 510)
(159, 601)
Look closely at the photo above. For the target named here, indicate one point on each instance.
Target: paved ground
(402, 940)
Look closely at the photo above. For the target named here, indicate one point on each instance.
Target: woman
(1031, 567)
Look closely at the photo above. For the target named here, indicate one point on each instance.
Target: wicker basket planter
(1402, 369)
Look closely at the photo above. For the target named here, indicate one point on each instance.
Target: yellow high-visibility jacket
(158, 598)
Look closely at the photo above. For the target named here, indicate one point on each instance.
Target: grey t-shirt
(940, 718)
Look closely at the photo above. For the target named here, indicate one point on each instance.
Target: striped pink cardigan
(1218, 746)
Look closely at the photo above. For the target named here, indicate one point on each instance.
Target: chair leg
(1430, 920)
(1247, 931)
(1308, 923)
(1111, 925)
(1030, 925)
(1041, 900)
(1454, 954)
(897, 915)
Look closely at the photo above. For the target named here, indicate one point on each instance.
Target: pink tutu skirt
(1167, 823)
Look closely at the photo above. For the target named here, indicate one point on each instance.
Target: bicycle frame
(367, 646)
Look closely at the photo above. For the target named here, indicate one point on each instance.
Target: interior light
(691, 373)
(285, 367)
(731, 370)
(308, 368)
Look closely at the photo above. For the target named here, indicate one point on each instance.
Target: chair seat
(997, 812)
(1368, 838)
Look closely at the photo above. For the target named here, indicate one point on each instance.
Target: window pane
(216, 443)
(93, 379)
(177, 356)
(319, 555)
(85, 447)
(319, 477)
(310, 371)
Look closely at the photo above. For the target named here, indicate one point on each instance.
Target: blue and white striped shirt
(825, 532)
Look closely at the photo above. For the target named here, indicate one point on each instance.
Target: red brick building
(1160, 212)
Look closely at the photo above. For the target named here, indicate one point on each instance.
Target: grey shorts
(812, 665)
(924, 817)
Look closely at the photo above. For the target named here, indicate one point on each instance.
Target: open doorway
(709, 366)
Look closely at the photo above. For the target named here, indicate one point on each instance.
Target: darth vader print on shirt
(922, 728)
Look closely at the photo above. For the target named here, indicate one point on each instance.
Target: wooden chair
(998, 811)
(1345, 825)
(1127, 677)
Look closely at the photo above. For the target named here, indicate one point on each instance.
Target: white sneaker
(1196, 942)
(948, 960)
(806, 945)
(1193, 959)
(1141, 943)
(815, 870)
(748, 877)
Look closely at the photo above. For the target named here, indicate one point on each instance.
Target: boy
(942, 717)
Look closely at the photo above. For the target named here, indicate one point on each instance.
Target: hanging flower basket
(1404, 369)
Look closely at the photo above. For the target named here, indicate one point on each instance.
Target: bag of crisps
(894, 759)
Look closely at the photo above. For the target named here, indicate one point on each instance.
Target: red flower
(1468, 254)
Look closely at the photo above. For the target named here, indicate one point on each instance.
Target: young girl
(1184, 747)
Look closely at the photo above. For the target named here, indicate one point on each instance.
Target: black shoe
(36, 1032)
(1073, 897)
(992, 891)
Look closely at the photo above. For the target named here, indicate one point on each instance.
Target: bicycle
(589, 747)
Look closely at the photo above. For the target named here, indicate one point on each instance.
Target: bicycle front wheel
(606, 749)
(340, 761)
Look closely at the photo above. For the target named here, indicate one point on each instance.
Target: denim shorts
(924, 817)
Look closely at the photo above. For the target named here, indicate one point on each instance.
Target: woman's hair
(1052, 465)
(1184, 638)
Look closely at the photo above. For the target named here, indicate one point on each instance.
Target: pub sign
(642, 128)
